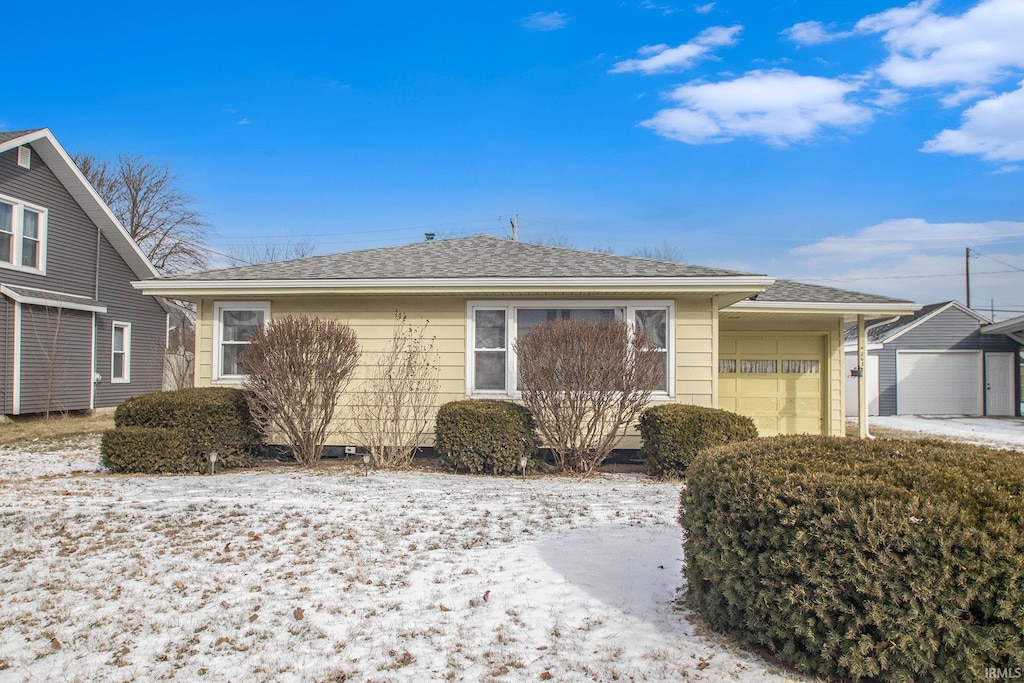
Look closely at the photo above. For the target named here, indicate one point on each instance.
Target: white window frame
(18, 234)
(218, 334)
(510, 306)
(127, 331)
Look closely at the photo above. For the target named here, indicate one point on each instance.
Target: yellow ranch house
(770, 349)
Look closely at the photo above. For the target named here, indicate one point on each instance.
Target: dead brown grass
(30, 428)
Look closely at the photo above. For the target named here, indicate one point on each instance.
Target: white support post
(862, 381)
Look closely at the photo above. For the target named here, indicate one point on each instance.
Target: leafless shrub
(398, 401)
(585, 381)
(297, 369)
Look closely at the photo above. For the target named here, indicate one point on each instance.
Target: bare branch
(297, 370)
(146, 199)
(585, 381)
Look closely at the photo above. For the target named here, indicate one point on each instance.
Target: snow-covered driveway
(996, 432)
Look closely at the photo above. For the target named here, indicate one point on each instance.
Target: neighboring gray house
(74, 334)
(941, 360)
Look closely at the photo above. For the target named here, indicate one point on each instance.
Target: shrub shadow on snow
(636, 570)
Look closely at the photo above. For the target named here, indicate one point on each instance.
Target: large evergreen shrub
(211, 419)
(888, 560)
(149, 450)
(672, 434)
(486, 436)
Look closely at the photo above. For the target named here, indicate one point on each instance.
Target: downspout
(94, 379)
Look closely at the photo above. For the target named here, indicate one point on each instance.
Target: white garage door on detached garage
(939, 383)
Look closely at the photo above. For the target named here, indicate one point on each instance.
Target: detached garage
(938, 361)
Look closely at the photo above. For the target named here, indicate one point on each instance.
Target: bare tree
(397, 404)
(268, 252)
(666, 251)
(585, 381)
(179, 356)
(159, 216)
(297, 369)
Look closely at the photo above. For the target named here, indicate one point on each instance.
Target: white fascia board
(43, 300)
(753, 283)
(820, 307)
(952, 304)
(1011, 326)
(66, 170)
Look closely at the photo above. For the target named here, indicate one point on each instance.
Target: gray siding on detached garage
(80, 260)
(949, 330)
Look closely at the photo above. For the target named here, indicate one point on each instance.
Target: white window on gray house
(121, 353)
(22, 236)
(493, 369)
(235, 323)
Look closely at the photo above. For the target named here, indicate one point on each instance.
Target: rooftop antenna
(514, 221)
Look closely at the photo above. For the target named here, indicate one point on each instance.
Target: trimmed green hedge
(149, 450)
(210, 418)
(672, 434)
(486, 436)
(889, 560)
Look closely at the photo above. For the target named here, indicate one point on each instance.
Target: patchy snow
(1005, 433)
(283, 575)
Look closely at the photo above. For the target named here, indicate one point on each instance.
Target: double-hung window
(234, 323)
(121, 353)
(492, 326)
(22, 236)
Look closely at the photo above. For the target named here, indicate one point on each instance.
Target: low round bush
(672, 434)
(486, 436)
(885, 560)
(211, 419)
(148, 450)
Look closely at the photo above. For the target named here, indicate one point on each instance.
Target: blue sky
(859, 145)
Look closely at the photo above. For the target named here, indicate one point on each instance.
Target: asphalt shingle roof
(11, 134)
(50, 295)
(788, 291)
(480, 256)
(881, 332)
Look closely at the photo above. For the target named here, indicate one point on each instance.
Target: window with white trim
(492, 369)
(234, 323)
(121, 353)
(22, 236)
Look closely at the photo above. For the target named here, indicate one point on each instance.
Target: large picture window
(493, 367)
(22, 236)
(234, 323)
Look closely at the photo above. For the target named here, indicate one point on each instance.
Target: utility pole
(967, 274)
(514, 221)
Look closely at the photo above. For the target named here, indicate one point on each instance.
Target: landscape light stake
(213, 460)
(366, 464)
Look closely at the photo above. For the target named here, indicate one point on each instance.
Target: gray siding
(55, 353)
(951, 329)
(6, 345)
(71, 267)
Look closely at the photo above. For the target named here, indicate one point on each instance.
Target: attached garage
(939, 383)
(778, 380)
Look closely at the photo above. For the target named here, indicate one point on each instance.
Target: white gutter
(42, 300)
(820, 307)
(753, 282)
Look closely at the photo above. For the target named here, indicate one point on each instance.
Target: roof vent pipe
(429, 235)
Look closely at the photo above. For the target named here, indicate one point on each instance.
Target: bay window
(492, 369)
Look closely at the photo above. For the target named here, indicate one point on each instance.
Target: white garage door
(938, 383)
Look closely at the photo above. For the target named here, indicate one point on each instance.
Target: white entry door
(999, 383)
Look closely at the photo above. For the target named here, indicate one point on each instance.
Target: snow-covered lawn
(283, 575)
(1005, 433)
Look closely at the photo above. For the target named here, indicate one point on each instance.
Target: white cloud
(992, 128)
(704, 9)
(243, 122)
(981, 46)
(905, 236)
(660, 58)
(780, 106)
(545, 21)
(813, 33)
(889, 97)
(1009, 168)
